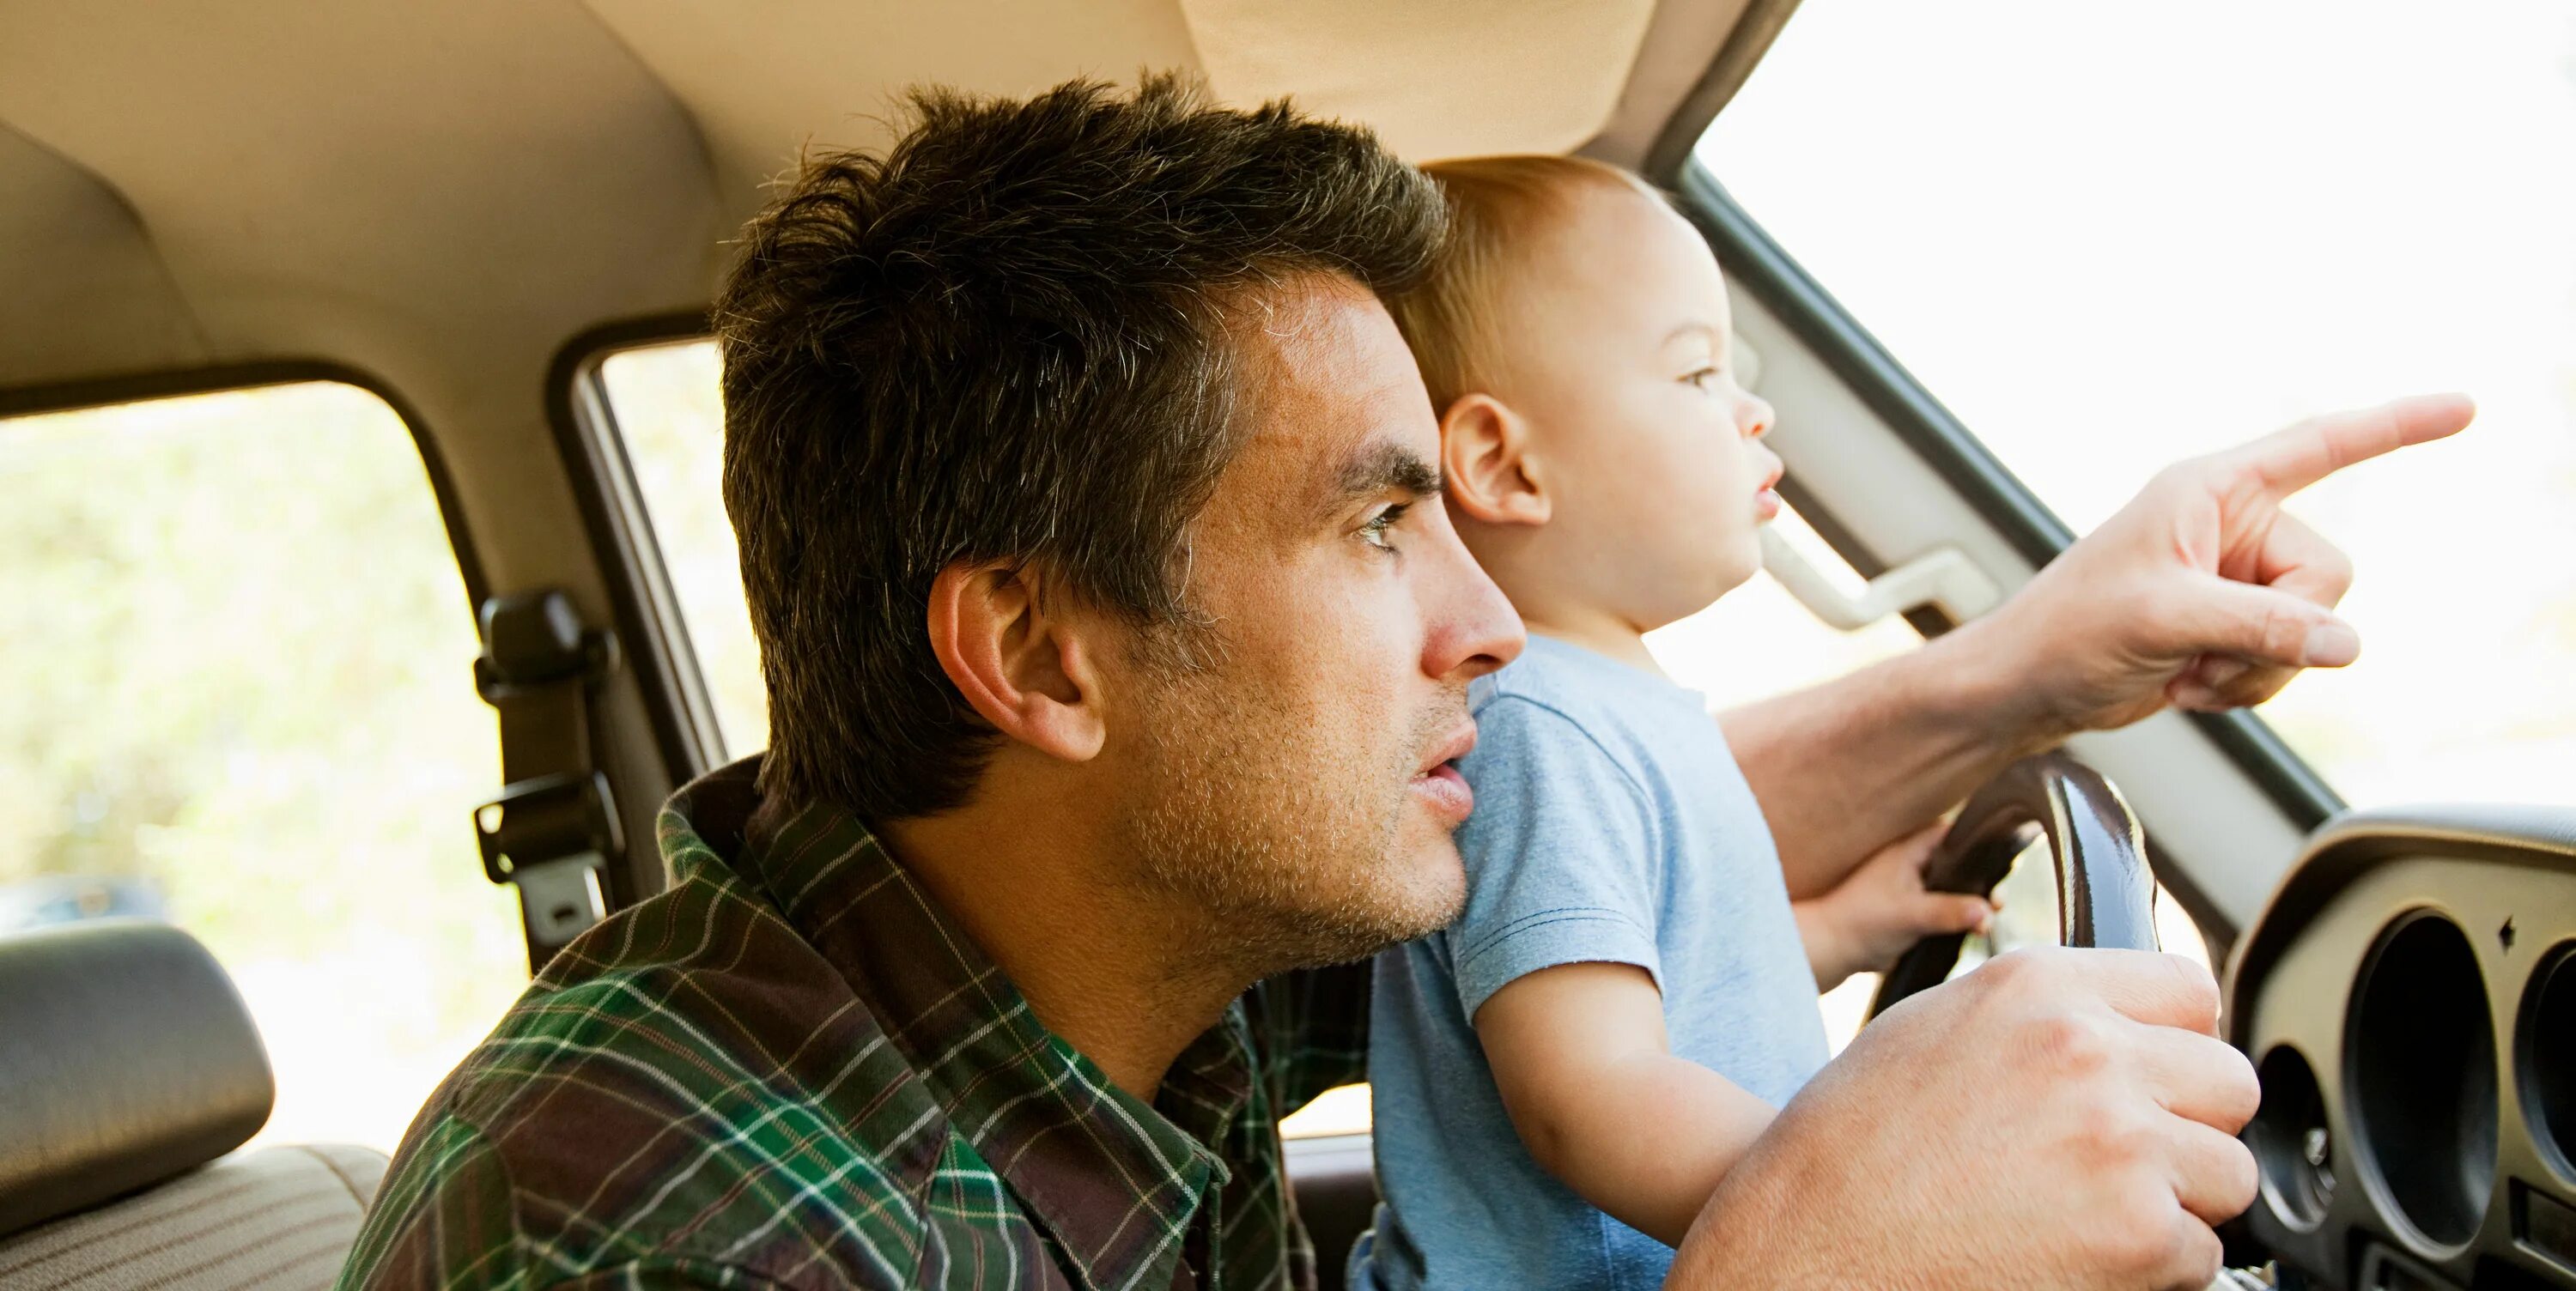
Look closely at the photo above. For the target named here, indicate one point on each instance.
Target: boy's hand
(1880, 909)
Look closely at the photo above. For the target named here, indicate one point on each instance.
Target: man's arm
(2201, 593)
(1842, 768)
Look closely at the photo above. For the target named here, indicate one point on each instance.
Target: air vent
(2421, 1070)
(2547, 1057)
(2288, 1135)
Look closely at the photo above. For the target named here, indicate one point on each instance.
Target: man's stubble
(1278, 828)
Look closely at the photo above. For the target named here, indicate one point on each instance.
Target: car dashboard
(2409, 1000)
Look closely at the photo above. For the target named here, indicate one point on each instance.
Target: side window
(234, 694)
(671, 421)
(2158, 237)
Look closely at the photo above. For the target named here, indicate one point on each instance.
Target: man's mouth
(1438, 783)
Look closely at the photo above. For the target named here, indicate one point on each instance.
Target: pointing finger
(2289, 460)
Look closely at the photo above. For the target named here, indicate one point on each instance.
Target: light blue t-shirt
(1611, 825)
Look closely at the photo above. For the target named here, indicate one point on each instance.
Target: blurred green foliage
(234, 662)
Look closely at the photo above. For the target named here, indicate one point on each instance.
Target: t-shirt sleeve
(1561, 854)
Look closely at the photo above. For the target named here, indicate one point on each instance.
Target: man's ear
(1486, 459)
(1024, 670)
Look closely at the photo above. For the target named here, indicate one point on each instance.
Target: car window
(2108, 236)
(670, 420)
(236, 694)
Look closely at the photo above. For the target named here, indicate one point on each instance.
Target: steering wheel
(2106, 895)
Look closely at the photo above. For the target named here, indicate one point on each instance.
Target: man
(1116, 646)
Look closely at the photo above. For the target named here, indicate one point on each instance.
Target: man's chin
(1429, 890)
(1415, 893)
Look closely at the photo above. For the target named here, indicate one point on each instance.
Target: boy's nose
(1755, 417)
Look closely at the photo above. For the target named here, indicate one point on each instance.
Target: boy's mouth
(1766, 495)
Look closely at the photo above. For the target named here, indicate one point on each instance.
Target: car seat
(129, 1073)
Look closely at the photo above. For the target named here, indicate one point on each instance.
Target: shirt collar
(1113, 1180)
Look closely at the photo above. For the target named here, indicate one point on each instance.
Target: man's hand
(2059, 1119)
(1880, 909)
(2202, 592)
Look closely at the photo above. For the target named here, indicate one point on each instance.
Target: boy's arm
(1579, 1054)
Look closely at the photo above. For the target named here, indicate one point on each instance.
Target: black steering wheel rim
(2106, 894)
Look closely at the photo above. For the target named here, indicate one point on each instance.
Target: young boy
(1564, 1075)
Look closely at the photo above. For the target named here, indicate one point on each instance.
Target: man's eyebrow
(1382, 466)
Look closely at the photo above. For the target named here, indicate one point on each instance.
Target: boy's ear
(1491, 469)
(1026, 671)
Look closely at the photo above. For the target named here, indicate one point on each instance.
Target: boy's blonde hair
(1454, 314)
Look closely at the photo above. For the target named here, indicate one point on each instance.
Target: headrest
(125, 1057)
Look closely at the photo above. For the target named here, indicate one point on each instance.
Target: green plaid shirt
(792, 1070)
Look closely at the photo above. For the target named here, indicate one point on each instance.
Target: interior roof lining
(140, 73)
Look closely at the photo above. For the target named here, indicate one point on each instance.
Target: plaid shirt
(792, 1070)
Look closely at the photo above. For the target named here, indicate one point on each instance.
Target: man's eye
(1373, 531)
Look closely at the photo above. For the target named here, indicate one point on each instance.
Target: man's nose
(1471, 628)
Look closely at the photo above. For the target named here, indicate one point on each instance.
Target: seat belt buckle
(550, 836)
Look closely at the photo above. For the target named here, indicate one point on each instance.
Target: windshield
(2111, 236)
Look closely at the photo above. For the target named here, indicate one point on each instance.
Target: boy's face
(1649, 448)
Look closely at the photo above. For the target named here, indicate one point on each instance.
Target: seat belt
(555, 826)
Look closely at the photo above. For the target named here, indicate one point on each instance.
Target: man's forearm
(1842, 768)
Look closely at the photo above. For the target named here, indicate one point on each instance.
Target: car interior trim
(2405, 996)
(1726, 73)
(620, 530)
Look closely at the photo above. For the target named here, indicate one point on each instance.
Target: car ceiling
(441, 196)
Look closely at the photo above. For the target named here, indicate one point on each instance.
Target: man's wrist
(1981, 679)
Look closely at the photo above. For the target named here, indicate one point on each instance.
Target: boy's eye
(1707, 378)
(1373, 531)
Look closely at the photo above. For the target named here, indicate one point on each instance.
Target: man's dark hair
(1006, 340)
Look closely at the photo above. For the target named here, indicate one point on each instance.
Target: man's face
(1296, 780)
